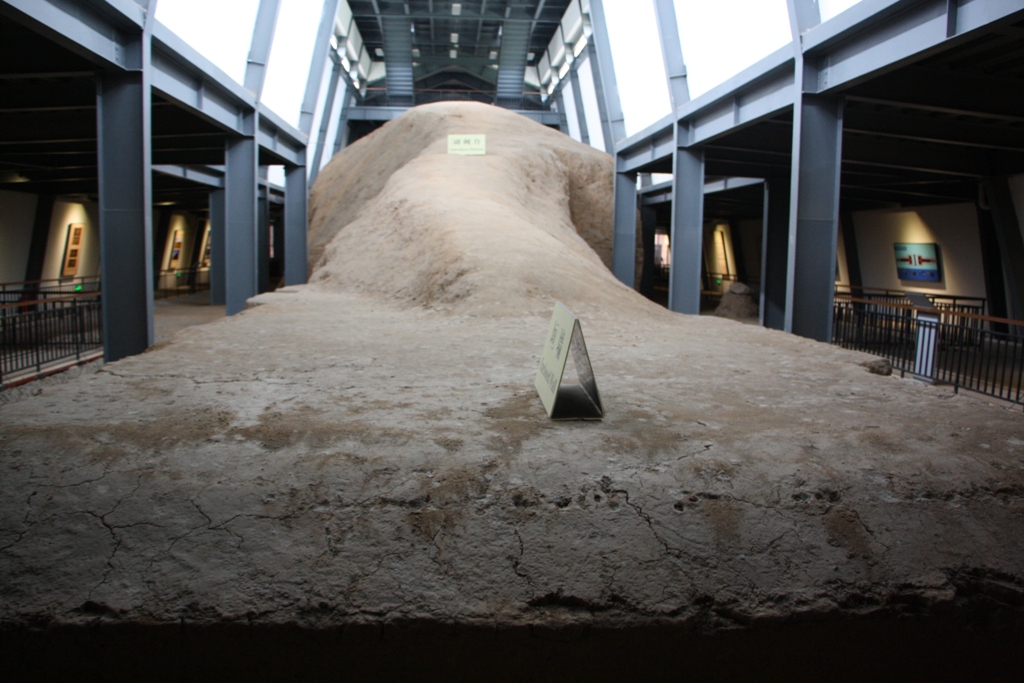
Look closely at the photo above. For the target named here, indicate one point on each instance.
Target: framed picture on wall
(176, 245)
(918, 262)
(72, 250)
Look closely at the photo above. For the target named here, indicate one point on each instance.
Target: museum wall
(747, 237)
(842, 265)
(184, 227)
(954, 227)
(67, 213)
(16, 218)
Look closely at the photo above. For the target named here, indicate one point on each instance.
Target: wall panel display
(918, 262)
(176, 247)
(72, 250)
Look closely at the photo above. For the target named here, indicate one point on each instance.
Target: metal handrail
(34, 339)
(967, 354)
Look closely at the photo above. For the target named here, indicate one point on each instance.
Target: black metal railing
(41, 290)
(37, 333)
(181, 281)
(957, 348)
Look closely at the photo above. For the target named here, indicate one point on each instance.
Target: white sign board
(567, 401)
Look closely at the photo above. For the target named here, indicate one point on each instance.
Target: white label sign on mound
(567, 401)
(468, 145)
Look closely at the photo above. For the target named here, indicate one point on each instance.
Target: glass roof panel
(639, 66)
(220, 31)
(290, 56)
(722, 38)
(830, 8)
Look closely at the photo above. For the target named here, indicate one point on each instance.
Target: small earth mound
(739, 303)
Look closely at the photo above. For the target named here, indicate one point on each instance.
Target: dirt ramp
(507, 232)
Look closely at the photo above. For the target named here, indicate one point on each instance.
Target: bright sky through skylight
(719, 39)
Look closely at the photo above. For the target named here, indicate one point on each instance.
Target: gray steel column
(563, 120)
(672, 52)
(648, 228)
(321, 49)
(40, 237)
(600, 51)
(259, 49)
(852, 252)
(325, 120)
(295, 256)
(1011, 242)
(814, 215)
(263, 241)
(774, 253)
(577, 97)
(240, 197)
(124, 161)
(339, 137)
(624, 237)
(803, 15)
(218, 281)
(687, 237)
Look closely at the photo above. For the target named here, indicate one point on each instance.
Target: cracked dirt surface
(362, 461)
(368, 452)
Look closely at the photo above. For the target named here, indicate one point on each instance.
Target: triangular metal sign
(567, 401)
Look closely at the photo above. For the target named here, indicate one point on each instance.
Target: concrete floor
(331, 482)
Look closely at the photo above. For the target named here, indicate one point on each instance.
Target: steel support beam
(687, 230)
(814, 216)
(340, 137)
(1011, 242)
(600, 51)
(774, 253)
(218, 259)
(803, 16)
(259, 50)
(624, 236)
(325, 120)
(563, 120)
(648, 228)
(240, 197)
(871, 37)
(263, 241)
(321, 48)
(577, 96)
(104, 34)
(672, 52)
(295, 254)
(125, 210)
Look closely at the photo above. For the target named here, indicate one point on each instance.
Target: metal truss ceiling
(918, 133)
(479, 28)
(48, 124)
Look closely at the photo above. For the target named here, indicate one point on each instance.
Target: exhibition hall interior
(288, 290)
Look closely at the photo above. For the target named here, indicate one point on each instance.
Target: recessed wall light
(453, 53)
(455, 37)
(456, 8)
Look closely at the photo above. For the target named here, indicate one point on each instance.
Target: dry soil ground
(356, 479)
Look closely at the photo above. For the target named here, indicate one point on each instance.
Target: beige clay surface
(370, 447)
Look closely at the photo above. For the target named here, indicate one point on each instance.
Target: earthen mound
(531, 221)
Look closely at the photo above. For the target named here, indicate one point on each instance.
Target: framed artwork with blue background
(918, 262)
